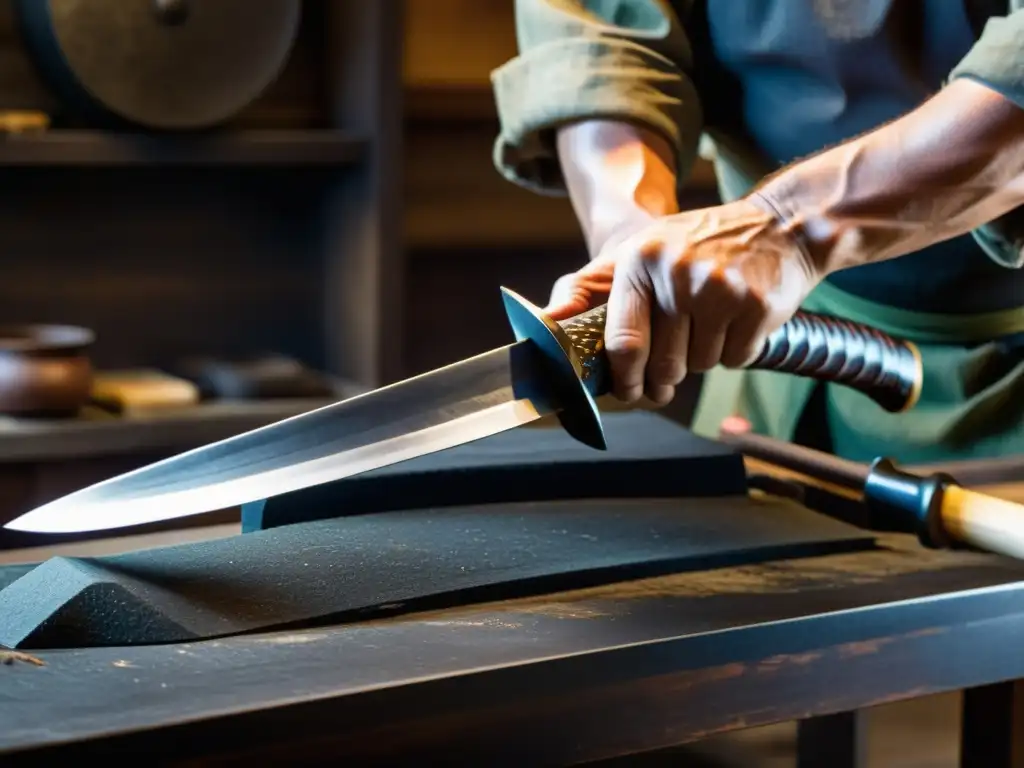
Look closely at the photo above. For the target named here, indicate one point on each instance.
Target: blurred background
(277, 210)
(208, 231)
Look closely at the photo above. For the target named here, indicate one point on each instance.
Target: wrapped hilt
(851, 354)
(814, 346)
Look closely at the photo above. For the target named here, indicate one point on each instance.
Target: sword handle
(815, 346)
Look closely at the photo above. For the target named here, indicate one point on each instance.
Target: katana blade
(552, 368)
(454, 405)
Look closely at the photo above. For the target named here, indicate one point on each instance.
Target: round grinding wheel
(160, 64)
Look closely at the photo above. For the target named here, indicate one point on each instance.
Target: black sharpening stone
(410, 540)
(355, 567)
(648, 456)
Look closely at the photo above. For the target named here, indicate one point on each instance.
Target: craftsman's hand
(688, 292)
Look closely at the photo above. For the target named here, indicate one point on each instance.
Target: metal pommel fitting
(574, 352)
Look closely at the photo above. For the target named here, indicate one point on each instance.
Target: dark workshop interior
(320, 218)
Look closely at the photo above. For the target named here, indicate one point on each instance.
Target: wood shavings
(10, 657)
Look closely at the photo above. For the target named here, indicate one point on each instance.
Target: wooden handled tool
(935, 506)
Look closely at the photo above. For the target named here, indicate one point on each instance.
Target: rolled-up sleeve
(997, 61)
(592, 59)
(997, 58)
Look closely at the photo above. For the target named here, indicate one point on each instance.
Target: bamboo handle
(943, 512)
(936, 507)
(983, 522)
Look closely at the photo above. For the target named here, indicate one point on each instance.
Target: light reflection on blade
(451, 406)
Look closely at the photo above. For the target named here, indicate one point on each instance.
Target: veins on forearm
(954, 164)
(620, 177)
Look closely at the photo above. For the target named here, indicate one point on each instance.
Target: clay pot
(44, 369)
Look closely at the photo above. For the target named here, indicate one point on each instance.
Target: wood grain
(983, 521)
(456, 42)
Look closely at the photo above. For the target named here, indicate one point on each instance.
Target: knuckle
(643, 257)
(624, 342)
(720, 291)
(661, 394)
(681, 288)
(564, 282)
(743, 345)
(650, 253)
(565, 285)
(701, 357)
(681, 273)
(667, 370)
(629, 396)
(757, 304)
(635, 268)
(738, 357)
(701, 364)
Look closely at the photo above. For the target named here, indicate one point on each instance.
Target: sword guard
(572, 351)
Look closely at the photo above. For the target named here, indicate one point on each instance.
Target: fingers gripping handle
(823, 348)
(819, 347)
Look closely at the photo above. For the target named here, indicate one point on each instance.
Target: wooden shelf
(247, 148)
(456, 199)
(24, 440)
(465, 102)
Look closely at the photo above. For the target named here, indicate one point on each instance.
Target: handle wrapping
(815, 346)
(854, 355)
(586, 333)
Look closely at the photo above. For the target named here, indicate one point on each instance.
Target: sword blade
(453, 405)
(552, 368)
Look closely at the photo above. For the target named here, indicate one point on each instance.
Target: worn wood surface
(626, 667)
(622, 668)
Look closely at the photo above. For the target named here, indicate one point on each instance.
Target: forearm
(953, 164)
(619, 176)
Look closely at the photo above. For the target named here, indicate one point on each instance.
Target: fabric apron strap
(921, 327)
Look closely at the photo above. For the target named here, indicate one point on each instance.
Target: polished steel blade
(466, 401)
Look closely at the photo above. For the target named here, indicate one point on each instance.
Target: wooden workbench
(566, 678)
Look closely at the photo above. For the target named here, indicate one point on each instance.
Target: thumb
(627, 331)
(569, 297)
(579, 291)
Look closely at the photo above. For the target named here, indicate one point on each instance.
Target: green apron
(972, 398)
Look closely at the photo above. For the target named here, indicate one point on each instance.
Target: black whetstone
(394, 558)
(648, 456)
(11, 573)
(352, 567)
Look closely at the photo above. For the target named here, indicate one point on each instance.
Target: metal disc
(162, 64)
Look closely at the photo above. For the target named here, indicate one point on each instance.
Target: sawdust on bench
(10, 657)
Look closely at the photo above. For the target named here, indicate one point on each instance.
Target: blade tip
(14, 526)
(30, 522)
